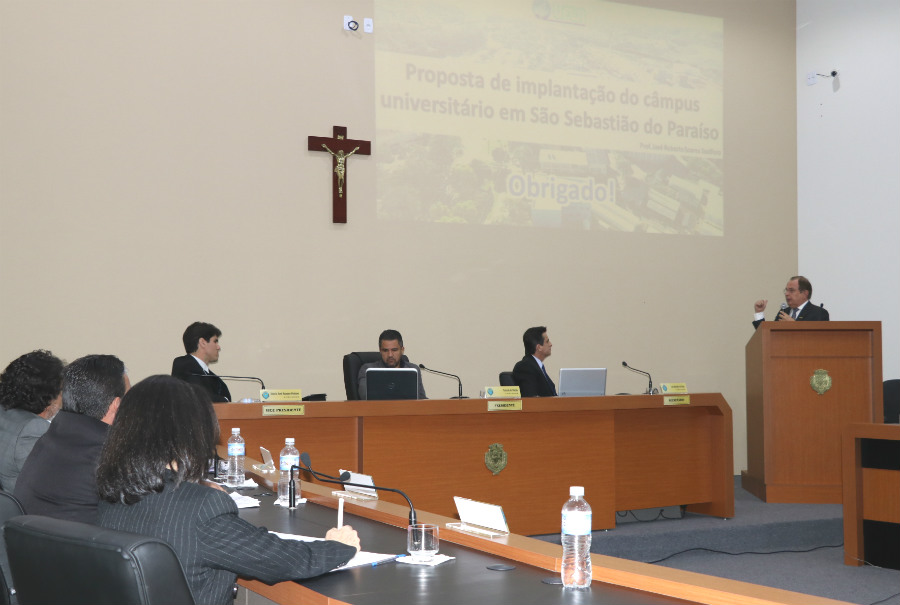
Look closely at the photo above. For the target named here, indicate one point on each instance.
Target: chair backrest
(9, 508)
(352, 363)
(892, 400)
(66, 562)
(507, 379)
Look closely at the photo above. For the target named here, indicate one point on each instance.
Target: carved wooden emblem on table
(820, 381)
(495, 458)
(340, 148)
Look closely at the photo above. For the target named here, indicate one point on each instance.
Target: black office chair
(507, 379)
(352, 363)
(9, 508)
(66, 562)
(892, 400)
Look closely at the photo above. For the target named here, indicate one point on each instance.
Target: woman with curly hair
(30, 396)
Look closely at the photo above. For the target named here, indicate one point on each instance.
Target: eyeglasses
(790, 290)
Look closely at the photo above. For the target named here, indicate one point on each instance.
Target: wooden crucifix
(340, 148)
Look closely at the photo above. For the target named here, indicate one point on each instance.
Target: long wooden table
(630, 452)
(871, 471)
(466, 580)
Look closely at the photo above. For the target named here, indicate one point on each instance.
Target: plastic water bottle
(576, 540)
(234, 475)
(289, 457)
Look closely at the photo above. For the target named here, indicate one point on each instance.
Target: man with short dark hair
(797, 293)
(530, 373)
(390, 345)
(201, 343)
(59, 478)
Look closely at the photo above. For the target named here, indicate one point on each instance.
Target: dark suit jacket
(59, 478)
(810, 312)
(214, 544)
(187, 368)
(531, 380)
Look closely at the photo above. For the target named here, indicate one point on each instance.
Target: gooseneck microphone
(247, 378)
(342, 480)
(244, 378)
(650, 389)
(460, 396)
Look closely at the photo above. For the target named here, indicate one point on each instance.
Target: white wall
(154, 172)
(848, 169)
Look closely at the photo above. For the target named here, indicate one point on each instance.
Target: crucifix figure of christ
(340, 148)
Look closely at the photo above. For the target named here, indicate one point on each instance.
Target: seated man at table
(797, 306)
(530, 373)
(390, 345)
(201, 343)
(30, 396)
(59, 478)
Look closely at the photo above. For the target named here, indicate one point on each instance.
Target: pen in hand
(340, 522)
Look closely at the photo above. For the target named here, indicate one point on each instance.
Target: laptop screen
(391, 383)
(582, 382)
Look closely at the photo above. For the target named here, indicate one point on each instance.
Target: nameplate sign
(502, 393)
(281, 395)
(283, 410)
(505, 405)
(672, 388)
(677, 400)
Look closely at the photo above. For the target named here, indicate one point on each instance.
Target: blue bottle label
(236, 449)
(288, 461)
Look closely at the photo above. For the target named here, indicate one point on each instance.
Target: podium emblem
(820, 381)
(495, 458)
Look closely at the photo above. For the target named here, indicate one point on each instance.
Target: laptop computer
(391, 383)
(582, 382)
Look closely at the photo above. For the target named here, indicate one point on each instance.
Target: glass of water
(422, 541)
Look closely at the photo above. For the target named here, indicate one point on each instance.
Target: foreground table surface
(466, 579)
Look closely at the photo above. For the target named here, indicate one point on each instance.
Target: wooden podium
(793, 431)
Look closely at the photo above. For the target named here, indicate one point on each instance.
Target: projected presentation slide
(585, 115)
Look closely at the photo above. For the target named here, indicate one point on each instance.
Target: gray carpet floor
(802, 546)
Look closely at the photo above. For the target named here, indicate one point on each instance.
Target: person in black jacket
(797, 293)
(530, 373)
(151, 482)
(58, 478)
(201, 343)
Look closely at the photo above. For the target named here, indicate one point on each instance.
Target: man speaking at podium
(201, 343)
(797, 307)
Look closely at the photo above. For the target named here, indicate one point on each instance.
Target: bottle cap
(289, 441)
(235, 431)
(576, 490)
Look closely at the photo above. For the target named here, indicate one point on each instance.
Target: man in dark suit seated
(201, 343)
(530, 373)
(59, 477)
(797, 293)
